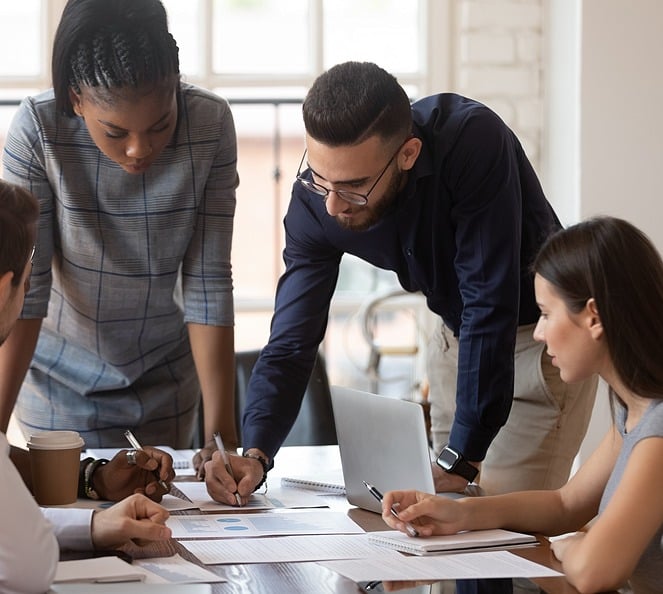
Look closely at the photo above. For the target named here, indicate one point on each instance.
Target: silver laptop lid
(382, 441)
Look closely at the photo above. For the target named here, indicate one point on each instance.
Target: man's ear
(409, 154)
(594, 319)
(5, 287)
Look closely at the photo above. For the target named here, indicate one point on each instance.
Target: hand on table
(430, 514)
(135, 518)
(221, 487)
(120, 478)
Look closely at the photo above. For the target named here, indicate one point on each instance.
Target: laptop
(382, 441)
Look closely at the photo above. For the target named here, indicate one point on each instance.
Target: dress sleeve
(25, 164)
(206, 270)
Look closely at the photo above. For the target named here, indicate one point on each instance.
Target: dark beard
(381, 208)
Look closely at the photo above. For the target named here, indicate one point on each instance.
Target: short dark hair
(110, 44)
(353, 101)
(615, 263)
(19, 211)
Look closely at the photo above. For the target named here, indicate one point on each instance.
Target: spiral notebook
(474, 540)
(321, 484)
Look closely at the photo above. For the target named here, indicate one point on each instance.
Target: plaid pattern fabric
(114, 251)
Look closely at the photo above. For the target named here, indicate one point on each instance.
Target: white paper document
(273, 499)
(97, 569)
(174, 570)
(285, 549)
(136, 587)
(493, 564)
(277, 523)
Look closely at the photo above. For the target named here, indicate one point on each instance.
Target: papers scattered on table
(174, 570)
(493, 564)
(97, 569)
(284, 549)
(276, 523)
(275, 498)
(136, 588)
(432, 545)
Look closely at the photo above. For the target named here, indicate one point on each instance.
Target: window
(262, 55)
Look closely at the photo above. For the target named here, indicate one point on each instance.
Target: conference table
(307, 577)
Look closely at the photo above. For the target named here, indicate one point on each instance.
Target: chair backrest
(315, 423)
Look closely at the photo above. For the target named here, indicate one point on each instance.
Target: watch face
(447, 459)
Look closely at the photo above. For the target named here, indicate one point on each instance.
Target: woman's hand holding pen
(222, 487)
(430, 514)
(119, 478)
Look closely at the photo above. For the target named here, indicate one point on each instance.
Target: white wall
(603, 146)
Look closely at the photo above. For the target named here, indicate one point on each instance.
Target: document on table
(174, 570)
(493, 564)
(97, 569)
(275, 498)
(286, 549)
(136, 587)
(277, 523)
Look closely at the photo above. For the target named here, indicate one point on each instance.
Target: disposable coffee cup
(54, 462)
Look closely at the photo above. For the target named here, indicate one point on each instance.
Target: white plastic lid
(55, 440)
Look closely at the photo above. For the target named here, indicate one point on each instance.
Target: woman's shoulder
(652, 421)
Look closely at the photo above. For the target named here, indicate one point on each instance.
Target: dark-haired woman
(599, 285)
(130, 314)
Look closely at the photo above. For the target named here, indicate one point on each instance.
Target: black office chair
(315, 423)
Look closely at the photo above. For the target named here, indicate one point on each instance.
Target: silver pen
(226, 463)
(409, 528)
(135, 444)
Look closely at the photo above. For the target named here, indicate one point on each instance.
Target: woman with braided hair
(130, 312)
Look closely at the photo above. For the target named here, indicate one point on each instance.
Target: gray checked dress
(122, 263)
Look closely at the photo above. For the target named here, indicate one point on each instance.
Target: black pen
(135, 444)
(409, 528)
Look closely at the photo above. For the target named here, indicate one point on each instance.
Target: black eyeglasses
(347, 195)
(32, 253)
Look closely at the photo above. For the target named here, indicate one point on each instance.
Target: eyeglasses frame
(320, 190)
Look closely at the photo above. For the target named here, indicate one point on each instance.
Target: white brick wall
(498, 60)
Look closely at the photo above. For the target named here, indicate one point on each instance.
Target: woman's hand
(430, 514)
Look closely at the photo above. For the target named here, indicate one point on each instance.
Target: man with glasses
(441, 192)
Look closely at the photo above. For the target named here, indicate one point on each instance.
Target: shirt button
(408, 251)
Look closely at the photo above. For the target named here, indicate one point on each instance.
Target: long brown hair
(612, 261)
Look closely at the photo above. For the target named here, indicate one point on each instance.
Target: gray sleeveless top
(648, 575)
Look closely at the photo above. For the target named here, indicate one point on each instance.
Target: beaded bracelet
(90, 492)
(81, 475)
(265, 468)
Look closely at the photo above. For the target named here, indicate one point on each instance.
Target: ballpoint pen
(409, 528)
(135, 444)
(226, 462)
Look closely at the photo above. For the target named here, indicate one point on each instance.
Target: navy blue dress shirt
(463, 232)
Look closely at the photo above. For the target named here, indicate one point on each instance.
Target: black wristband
(90, 491)
(263, 463)
(81, 476)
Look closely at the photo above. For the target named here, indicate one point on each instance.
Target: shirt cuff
(72, 527)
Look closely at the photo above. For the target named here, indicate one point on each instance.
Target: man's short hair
(19, 211)
(354, 101)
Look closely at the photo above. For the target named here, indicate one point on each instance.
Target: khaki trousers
(548, 419)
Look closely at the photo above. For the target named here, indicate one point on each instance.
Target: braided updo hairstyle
(111, 45)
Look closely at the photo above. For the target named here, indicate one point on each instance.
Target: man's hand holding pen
(121, 478)
(222, 487)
